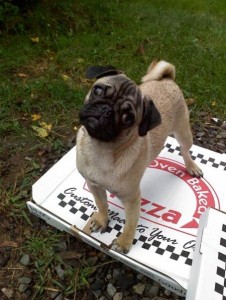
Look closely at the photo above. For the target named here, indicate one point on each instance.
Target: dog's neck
(125, 140)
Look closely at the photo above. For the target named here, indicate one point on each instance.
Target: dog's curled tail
(159, 70)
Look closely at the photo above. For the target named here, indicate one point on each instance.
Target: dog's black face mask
(99, 121)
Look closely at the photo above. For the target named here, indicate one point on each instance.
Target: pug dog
(124, 128)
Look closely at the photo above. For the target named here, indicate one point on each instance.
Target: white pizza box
(171, 206)
(208, 272)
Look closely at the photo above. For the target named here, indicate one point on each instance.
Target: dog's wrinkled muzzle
(99, 120)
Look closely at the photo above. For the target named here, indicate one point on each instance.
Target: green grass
(41, 247)
(189, 34)
(46, 77)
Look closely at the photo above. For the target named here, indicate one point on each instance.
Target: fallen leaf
(41, 132)
(9, 244)
(23, 75)
(70, 254)
(190, 101)
(46, 126)
(8, 292)
(80, 60)
(65, 77)
(35, 40)
(35, 117)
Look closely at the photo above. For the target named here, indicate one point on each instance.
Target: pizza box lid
(172, 203)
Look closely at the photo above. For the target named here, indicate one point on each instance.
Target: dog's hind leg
(183, 135)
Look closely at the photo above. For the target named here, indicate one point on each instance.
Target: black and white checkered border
(198, 156)
(117, 229)
(85, 213)
(164, 249)
(220, 284)
(74, 207)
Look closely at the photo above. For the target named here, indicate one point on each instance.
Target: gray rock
(53, 294)
(60, 271)
(139, 288)
(98, 284)
(167, 292)
(102, 298)
(111, 290)
(7, 292)
(59, 297)
(223, 126)
(25, 260)
(118, 296)
(98, 293)
(221, 135)
(221, 145)
(116, 273)
(152, 290)
(24, 280)
(140, 276)
(92, 261)
(23, 287)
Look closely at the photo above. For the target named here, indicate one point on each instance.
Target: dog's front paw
(99, 222)
(194, 170)
(122, 244)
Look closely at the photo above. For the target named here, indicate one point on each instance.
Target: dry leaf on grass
(36, 117)
(22, 75)
(65, 77)
(214, 103)
(44, 130)
(9, 244)
(46, 126)
(41, 132)
(35, 40)
(190, 101)
(70, 254)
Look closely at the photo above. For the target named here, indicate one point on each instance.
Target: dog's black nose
(104, 108)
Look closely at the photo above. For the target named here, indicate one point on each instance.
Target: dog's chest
(96, 166)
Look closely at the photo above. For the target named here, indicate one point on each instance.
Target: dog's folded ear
(151, 117)
(101, 71)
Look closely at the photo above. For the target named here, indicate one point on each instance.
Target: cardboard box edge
(193, 284)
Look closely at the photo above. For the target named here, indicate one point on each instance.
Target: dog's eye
(98, 90)
(127, 119)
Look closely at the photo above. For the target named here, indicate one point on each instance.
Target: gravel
(25, 260)
(111, 290)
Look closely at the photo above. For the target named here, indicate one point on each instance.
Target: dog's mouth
(99, 121)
